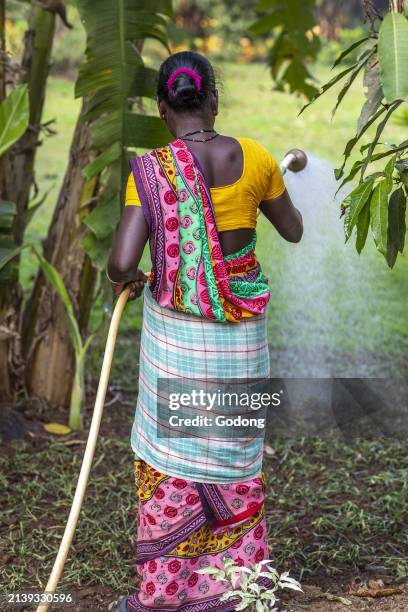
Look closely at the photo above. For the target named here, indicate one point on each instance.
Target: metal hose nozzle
(294, 160)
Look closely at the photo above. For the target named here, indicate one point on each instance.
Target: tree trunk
(16, 178)
(2, 50)
(397, 6)
(47, 343)
(332, 16)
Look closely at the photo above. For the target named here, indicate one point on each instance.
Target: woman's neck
(192, 124)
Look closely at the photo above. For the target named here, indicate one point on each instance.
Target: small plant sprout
(247, 584)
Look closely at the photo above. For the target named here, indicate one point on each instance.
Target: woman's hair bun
(184, 90)
(185, 81)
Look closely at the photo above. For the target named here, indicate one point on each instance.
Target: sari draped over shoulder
(190, 273)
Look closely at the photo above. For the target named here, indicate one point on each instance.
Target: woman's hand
(136, 285)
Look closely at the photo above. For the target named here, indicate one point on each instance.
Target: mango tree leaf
(362, 61)
(389, 169)
(328, 85)
(363, 223)
(393, 56)
(359, 163)
(351, 143)
(353, 171)
(396, 225)
(355, 202)
(379, 214)
(402, 167)
(347, 51)
(393, 107)
(14, 117)
(373, 93)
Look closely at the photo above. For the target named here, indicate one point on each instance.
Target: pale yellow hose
(89, 451)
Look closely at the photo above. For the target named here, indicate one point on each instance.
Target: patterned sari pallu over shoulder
(190, 273)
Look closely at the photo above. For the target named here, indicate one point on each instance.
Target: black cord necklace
(183, 137)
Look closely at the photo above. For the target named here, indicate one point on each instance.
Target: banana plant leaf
(111, 79)
(14, 116)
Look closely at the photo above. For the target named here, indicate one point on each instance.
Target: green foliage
(80, 348)
(294, 46)
(379, 200)
(111, 79)
(354, 203)
(14, 116)
(353, 70)
(393, 56)
(345, 49)
(396, 225)
(8, 211)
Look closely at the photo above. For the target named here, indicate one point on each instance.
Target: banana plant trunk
(16, 179)
(50, 369)
(397, 6)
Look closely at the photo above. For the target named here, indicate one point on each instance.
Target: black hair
(184, 95)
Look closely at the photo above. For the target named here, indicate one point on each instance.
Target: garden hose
(89, 451)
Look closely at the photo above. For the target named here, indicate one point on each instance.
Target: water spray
(295, 160)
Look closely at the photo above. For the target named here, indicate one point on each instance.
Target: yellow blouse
(235, 205)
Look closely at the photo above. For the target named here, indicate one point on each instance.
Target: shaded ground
(337, 513)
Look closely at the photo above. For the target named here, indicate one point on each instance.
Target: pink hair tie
(190, 71)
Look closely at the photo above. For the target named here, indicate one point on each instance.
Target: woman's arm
(284, 216)
(127, 250)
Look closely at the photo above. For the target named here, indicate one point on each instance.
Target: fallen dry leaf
(375, 588)
(338, 598)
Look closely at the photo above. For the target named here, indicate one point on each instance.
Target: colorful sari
(190, 273)
(200, 499)
(184, 526)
